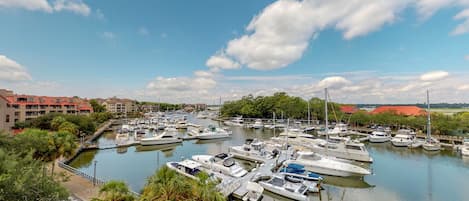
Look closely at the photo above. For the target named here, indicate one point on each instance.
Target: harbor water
(399, 174)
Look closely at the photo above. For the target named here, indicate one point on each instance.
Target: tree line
(297, 108)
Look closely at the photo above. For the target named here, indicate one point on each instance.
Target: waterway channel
(399, 174)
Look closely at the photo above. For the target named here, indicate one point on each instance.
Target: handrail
(98, 181)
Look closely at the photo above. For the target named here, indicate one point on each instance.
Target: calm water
(398, 173)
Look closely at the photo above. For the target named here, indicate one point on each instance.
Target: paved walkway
(78, 186)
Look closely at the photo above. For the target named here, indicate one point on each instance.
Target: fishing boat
(253, 150)
(379, 136)
(212, 132)
(163, 138)
(327, 165)
(430, 144)
(223, 163)
(278, 184)
(186, 167)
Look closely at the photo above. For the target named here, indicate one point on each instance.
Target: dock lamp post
(94, 175)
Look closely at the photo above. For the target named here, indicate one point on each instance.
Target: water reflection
(398, 173)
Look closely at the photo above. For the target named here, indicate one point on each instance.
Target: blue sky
(197, 51)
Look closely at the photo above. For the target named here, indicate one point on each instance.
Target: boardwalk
(78, 186)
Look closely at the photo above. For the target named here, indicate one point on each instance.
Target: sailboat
(325, 164)
(431, 144)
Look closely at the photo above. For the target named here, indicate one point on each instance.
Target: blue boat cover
(314, 175)
(295, 166)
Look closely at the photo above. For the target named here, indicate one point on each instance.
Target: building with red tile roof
(400, 110)
(349, 109)
(28, 107)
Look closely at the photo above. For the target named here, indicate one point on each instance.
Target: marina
(425, 165)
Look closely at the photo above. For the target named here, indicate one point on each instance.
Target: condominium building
(27, 107)
(6, 114)
(122, 106)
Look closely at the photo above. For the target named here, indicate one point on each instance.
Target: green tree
(68, 127)
(56, 122)
(97, 107)
(115, 191)
(60, 144)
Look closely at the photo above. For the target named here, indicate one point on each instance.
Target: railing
(98, 181)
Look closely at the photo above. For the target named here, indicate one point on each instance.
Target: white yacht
(187, 168)
(222, 162)
(278, 184)
(339, 129)
(253, 150)
(403, 138)
(194, 129)
(212, 132)
(258, 124)
(379, 136)
(181, 124)
(430, 144)
(255, 191)
(328, 165)
(237, 121)
(163, 138)
(465, 148)
(295, 133)
(343, 149)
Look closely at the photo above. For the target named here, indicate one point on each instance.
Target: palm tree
(205, 189)
(61, 144)
(115, 191)
(166, 184)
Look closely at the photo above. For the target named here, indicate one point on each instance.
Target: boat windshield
(277, 181)
(353, 147)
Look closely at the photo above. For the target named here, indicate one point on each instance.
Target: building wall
(6, 115)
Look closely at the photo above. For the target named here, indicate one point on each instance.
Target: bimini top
(189, 164)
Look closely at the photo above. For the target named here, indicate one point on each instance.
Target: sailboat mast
(309, 115)
(326, 115)
(429, 124)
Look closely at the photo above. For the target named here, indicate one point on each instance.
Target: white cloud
(76, 6)
(108, 35)
(143, 31)
(280, 34)
(201, 73)
(463, 27)
(434, 76)
(33, 5)
(100, 15)
(221, 61)
(333, 82)
(10, 70)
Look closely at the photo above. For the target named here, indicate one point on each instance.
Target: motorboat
(212, 132)
(278, 184)
(223, 163)
(347, 149)
(163, 138)
(237, 121)
(416, 143)
(255, 191)
(430, 144)
(181, 124)
(379, 136)
(194, 129)
(327, 165)
(258, 124)
(465, 148)
(402, 140)
(188, 168)
(253, 150)
(296, 171)
(339, 129)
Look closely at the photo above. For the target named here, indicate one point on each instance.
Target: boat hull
(344, 155)
(379, 140)
(211, 137)
(282, 192)
(403, 143)
(431, 147)
(160, 142)
(328, 171)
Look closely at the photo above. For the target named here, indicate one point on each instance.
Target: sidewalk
(78, 186)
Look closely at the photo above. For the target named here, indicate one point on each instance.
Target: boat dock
(237, 186)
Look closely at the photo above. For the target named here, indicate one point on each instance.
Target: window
(7, 119)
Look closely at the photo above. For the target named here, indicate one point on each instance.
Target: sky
(364, 51)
